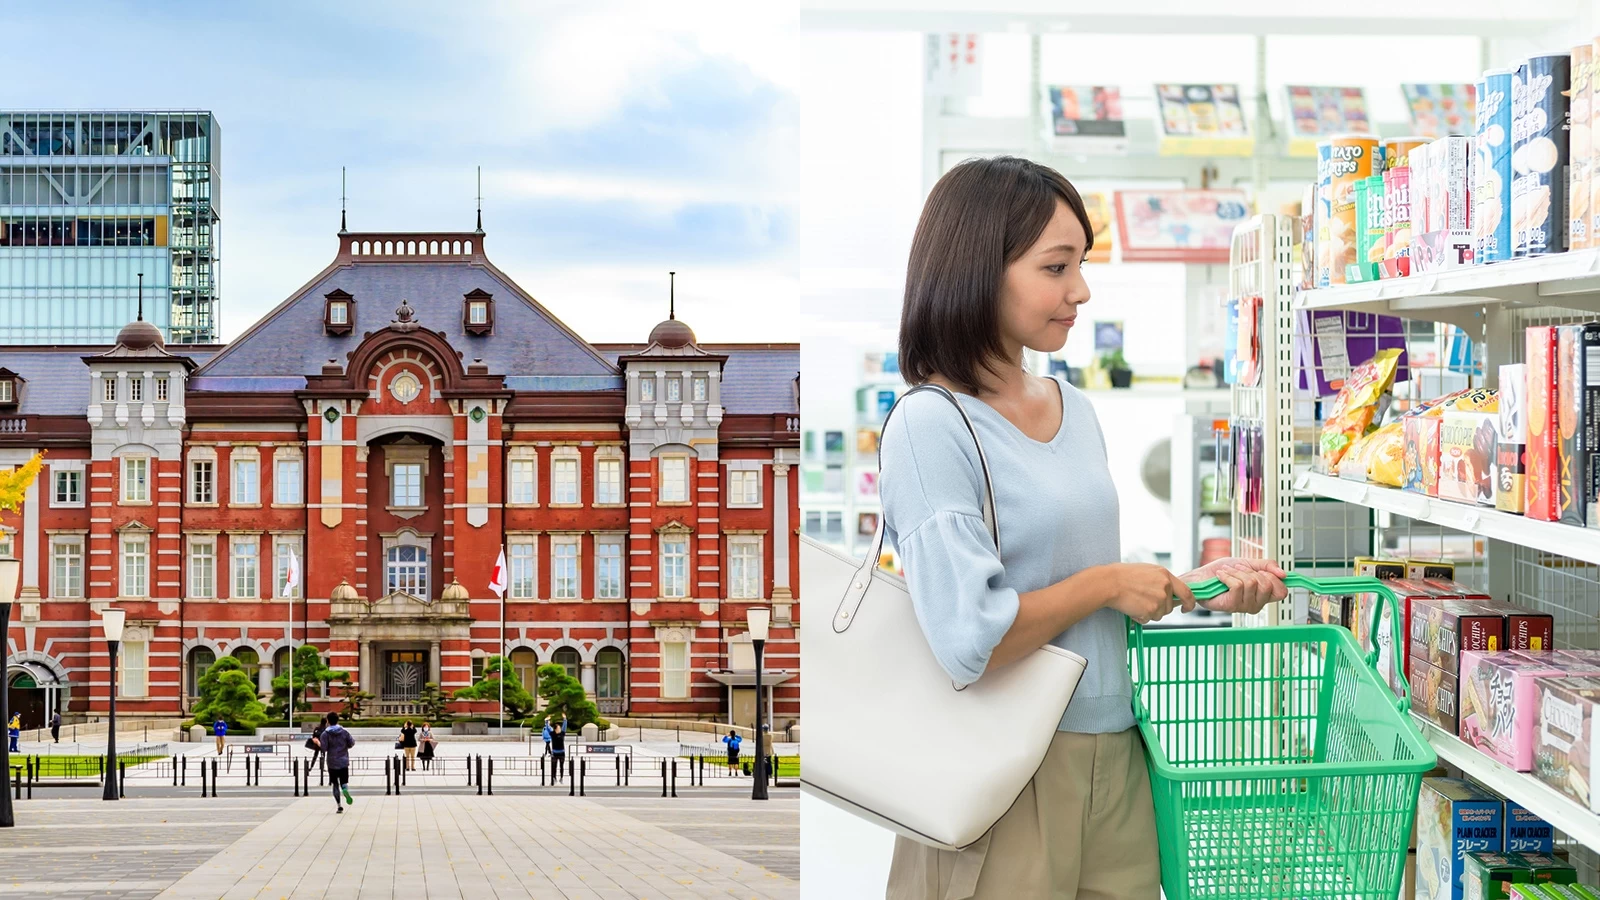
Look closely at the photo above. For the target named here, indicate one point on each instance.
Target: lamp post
(10, 571)
(111, 621)
(759, 617)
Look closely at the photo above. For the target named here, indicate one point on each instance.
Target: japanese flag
(497, 581)
(291, 578)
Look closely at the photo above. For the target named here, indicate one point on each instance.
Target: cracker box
(1489, 875)
(1441, 630)
(1543, 454)
(1510, 475)
(1563, 755)
(1447, 242)
(1454, 818)
(1466, 450)
(1499, 705)
(1421, 460)
(1525, 832)
(1435, 696)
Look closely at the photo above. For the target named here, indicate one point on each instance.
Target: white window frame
(142, 495)
(425, 583)
(133, 659)
(674, 389)
(566, 491)
(701, 389)
(109, 394)
(742, 483)
(244, 487)
(280, 565)
(76, 476)
(202, 580)
(210, 496)
(477, 312)
(604, 560)
(6, 394)
(338, 312)
(163, 389)
(288, 490)
(608, 491)
(522, 479)
(66, 548)
(522, 564)
(566, 567)
(674, 463)
(678, 588)
(136, 389)
(134, 565)
(244, 570)
(647, 389)
(745, 553)
(675, 670)
(395, 484)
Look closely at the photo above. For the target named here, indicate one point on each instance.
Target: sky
(618, 140)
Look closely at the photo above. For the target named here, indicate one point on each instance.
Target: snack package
(1525, 629)
(1510, 474)
(1563, 752)
(1466, 448)
(1499, 704)
(1489, 875)
(1441, 630)
(1435, 696)
(1357, 462)
(1386, 459)
(1589, 472)
(1571, 397)
(1526, 832)
(1357, 406)
(1454, 818)
(1491, 195)
(1421, 459)
(1545, 869)
(1447, 240)
(1430, 569)
(1540, 124)
(1381, 569)
(1543, 455)
(1578, 149)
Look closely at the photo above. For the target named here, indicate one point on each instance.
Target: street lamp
(759, 618)
(111, 621)
(10, 571)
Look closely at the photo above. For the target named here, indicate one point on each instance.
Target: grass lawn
(788, 766)
(72, 766)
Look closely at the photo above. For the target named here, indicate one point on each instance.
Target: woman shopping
(996, 267)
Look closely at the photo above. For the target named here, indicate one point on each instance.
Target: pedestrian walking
(14, 731)
(55, 727)
(546, 737)
(426, 742)
(220, 729)
(314, 743)
(408, 743)
(336, 742)
(558, 750)
(733, 741)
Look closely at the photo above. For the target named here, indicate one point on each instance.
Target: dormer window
(338, 313)
(10, 387)
(477, 315)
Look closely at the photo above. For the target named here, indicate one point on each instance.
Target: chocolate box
(1454, 818)
(1489, 875)
(1499, 703)
(1543, 454)
(1563, 752)
(1424, 569)
(1441, 630)
(1510, 494)
(1526, 629)
(1435, 696)
(1466, 454)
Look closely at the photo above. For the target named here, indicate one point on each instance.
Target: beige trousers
(1084, 827)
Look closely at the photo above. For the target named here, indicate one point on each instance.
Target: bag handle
(856, 592)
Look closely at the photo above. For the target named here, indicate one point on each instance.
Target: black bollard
(185, 781)
(616, 766)
(674, 777)
(491, 776)
(203, 780)
(480, 775)
(294, 774)
(663, 777)
(583, 772)
(388, 775)
(100, 768)
(16, 780)
(213, 779)
(174, 772)
(399, 775)
(122, 779)
(541, 772)
(627, 769)
(322, 772)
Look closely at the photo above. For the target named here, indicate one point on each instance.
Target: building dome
(454, 591)
(672, 334)
(343, 592)
(140, 335)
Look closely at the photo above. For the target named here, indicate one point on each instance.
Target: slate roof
(756, 380)
(57, 381)
(290, 340)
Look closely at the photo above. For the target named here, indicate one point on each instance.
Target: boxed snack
(1563, 755)
(1572, 401)
(1499, 704)
(1526, 629)
(1591, 409)
(1466, 447)
(1526, 832)
(1543, 454)
(1540, 123)
(1435, 696)
(1578, 149)
(1491, 189)
(1329, 610)
(1447, 241)
(1361, 402)
(1423, 569)
(1489, 875)
(1422, 454)
(1381, 569)
(1546, 869)
(1454, 818)
(1441, 630)
(1397, 220)
(1510, 474)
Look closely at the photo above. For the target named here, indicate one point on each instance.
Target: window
(478, 663)
(6, 545)
(283, 550)
(647, 390)
(6, 396)
(407, 570)
(523, 586)
(833, 479)
(69, 487)
(608, 481)
(525, 665)
(135, 479)
(246, 482)
(338, 313)
(564, 481)
(135, 566)
(744, 569)
(136, 390)
(202, 568)
(135, 671)
(405, 387)
(700, 389)
(814, 523)
(835, 526)
(564, 577)
(66, 567)
(674, 479)
(675, 669)
(286, 481)
(478, 312)
(200, 659)
(567, 658)
(608, 568)
(522, 481)
(674, 390)
(202, 481)
(110, 390)
(744, 487)
(246, 560)
(811, 445)
(674, 566)
(608, 673)
(163, 390)
(406, 485)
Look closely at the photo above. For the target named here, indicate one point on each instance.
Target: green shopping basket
(1281, 764)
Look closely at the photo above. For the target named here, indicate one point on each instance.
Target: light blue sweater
(1058, 515)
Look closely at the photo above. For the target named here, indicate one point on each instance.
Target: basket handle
(1213, 588)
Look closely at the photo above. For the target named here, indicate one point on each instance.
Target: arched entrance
(33, 692)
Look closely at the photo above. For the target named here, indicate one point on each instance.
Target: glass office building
(89, 201)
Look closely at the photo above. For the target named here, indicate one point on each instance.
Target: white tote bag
(869, 671)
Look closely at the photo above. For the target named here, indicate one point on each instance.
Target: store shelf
(1564, 540)
(1570, 280)
(1561, 811)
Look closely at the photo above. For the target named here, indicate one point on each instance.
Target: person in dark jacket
(55, 726)
(315, 741)
(558, 750)
(337, 742)
(408, 743)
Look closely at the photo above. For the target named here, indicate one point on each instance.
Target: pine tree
(227, 692)
(518, 702)
(564, 697)
(309, 672)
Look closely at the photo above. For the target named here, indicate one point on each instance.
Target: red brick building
(395, 425)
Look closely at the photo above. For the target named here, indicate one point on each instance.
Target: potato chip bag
(1356, 407)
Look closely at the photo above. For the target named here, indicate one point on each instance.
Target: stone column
(366, 664)
(30, 539)
(434, 664)
(586, 676)
(264, 678)
(780, 532)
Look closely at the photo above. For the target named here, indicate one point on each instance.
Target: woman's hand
(1252, 584)
(1145, 593)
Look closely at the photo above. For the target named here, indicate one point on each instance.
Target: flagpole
(498, 583)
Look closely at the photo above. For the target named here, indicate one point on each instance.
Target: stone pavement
(434, 845)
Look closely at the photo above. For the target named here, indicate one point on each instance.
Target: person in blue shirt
(14, 730)
(733, 741)
(546, 737)
(220, 729)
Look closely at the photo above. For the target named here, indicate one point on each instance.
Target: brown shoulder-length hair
(980, 217)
